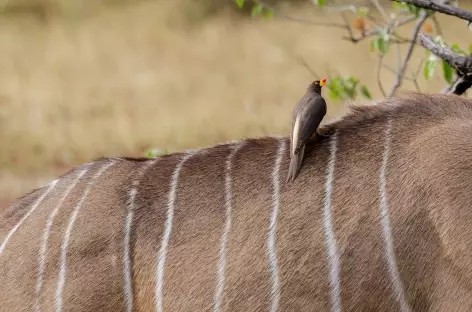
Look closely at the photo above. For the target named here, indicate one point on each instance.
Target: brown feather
(309, 111)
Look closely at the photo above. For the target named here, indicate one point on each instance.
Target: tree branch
(441, 8)
(409, 53)
(462, 64)
(449, 88)
(461, 85)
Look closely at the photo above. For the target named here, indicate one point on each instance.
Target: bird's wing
(297, 110)
(307, 120)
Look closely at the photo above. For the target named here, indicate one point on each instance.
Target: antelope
(379, 219)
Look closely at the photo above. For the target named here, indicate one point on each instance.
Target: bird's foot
(323, 134)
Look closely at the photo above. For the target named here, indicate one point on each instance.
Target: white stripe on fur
(65, 242)
(167, 231)
(333, 252)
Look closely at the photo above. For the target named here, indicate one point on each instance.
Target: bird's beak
(322, 82)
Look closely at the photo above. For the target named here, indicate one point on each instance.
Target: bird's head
(317, 84)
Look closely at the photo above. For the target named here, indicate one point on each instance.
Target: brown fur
(429, 174)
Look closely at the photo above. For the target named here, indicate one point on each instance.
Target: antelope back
(379, 219)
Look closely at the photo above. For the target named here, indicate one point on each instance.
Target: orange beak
(322, 82)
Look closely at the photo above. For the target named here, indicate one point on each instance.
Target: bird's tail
(296, 161)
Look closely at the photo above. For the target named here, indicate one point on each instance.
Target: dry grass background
(156, 74)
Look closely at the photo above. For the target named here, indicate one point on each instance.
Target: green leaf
(398, 6)
(350, 89)
(470, 48)
(354, 81)
(455, 47)
(374, 45)
(257, 9)
(150, 154)
(239, 3)
(447, 72)
(155, 152)
(429, 68)
(383, 45)
(319, 3)
(335, 89)
(365, 92)
(362, 11)
(413, 9)
(428, 12)
(342, 88)
(267, 13)
(347, 87)
(427, 53)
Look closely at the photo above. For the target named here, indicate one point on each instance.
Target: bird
(307, 115)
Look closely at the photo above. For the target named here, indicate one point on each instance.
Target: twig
(379, 67)
(390, 69)
(400, 39)
(373, 20)
(441, 8)
(305, 64)
(309, 22)
(419, 67)
(401, 73)
(351, 34)
(417, 72)
(297, 19)
(312, 72)
(341, 8)
(417, 86)
(381, 10)
(393, 71)
(399, 58)
(437, 26)
(378, 30)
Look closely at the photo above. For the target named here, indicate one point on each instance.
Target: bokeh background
(81, 79)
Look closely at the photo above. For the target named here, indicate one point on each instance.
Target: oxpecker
(307, 115)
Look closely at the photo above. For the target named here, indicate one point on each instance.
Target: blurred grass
(47, 9)
(122, 77)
